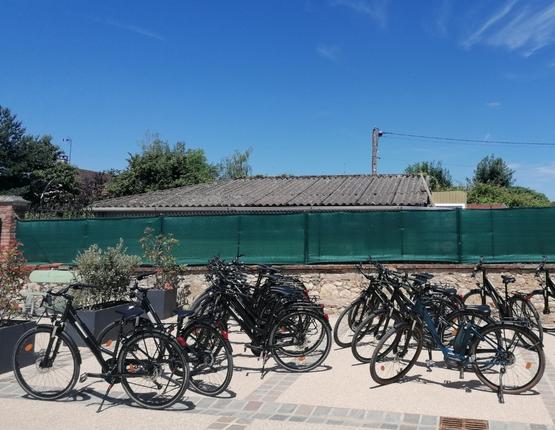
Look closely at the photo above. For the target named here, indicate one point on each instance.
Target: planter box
(96, 320)
(164, 302)
(9, 335)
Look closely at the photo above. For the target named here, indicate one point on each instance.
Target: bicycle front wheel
(347, 323)
(369, 332)
(46, 366)
(396, 353)
(300, 340)
(210, 357)
(510, 356)
(153, 369)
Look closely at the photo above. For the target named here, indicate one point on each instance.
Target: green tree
(493, 170)
(236, 165)
(29, 163)
(513, 197)
(160, 166)
(438, 176)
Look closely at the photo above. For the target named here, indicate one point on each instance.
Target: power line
(458, 140)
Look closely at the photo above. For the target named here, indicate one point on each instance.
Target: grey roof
(292, 192)
(13, 201)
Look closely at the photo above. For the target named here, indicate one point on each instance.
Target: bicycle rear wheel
(396, 353)
(153, 368)
(508, 355)
(546, 311)
(369, 332)
(523, 311)
(347, 323)
(46, 366)
(300, 340)
(210, 358)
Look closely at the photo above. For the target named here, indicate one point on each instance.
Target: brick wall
(9, 205)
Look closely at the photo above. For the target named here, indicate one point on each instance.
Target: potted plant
(158, 251)
(12, 325)
(110, 270)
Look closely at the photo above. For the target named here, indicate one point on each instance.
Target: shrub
(513, 197)
(12, 280)
(158, 250)
(110, 269)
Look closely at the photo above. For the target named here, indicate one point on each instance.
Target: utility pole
(68, 141)
(376, 133)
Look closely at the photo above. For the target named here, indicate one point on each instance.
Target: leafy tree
(30, 166)
(493, 170)
(439, 176)
(513, 197)
(236, 165)
(161, 166)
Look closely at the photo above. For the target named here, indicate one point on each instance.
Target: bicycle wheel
(396, 353)
(46, 367)
(523, 311)
(343, 329)
(369, 332)
(546, 311)
(508, 355)
(453, 322)
(210, 358)
(153, 368)
(300, 340)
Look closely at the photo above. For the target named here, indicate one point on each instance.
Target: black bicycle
(149, 364)
(545, 296)
(516, 307)
(203, 340)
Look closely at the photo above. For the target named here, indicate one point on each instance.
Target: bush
(158, 250)
(12, 280)
(513, 197)
(110, 269)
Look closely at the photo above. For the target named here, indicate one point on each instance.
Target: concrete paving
(340, 394)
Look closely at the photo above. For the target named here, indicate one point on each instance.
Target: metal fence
(504, 235)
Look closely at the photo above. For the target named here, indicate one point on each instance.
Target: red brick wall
(7, 233)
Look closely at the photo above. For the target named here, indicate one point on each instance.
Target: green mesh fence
(505, 235)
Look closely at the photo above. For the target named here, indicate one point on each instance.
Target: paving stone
(279, 417)
(538, 427)
(315, 420)
(252, 406)
(375, 416)
(226, 419)
(339, 412)
(334, 422)
(217, 425)
(287, 408)
(297, 419)
(237, 427)
(517, 426)
(496, 425)
(420, 427)
(304, 410)
(407, 427)
(392, 417)
(321, 411)
(411, 418)
(429, 420)
(389, 426)
(261, 416)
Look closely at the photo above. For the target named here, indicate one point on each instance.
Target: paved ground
(339, 395)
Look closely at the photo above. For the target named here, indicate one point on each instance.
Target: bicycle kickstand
(429, 361)
(500, 389)
(264, 360)
(105, 396)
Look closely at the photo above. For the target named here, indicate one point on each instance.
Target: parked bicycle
(149, 364)
(547, 293)
(516, 307)
(506, 356)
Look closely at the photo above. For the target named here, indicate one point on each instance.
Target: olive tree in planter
(110, 270)
(158, 251)
(12, 325)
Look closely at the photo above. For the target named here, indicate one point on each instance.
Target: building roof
(285, 192)
(449, 197)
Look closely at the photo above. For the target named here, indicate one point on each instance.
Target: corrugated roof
(285, 191)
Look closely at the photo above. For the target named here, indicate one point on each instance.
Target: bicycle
(516, 307)
(547, 293)
(491, 350)
(149, 364)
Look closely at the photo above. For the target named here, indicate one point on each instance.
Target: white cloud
(375, 9)
(328, 52)
(135, 29)
(546, 169)
(493, 104)
(521, 28)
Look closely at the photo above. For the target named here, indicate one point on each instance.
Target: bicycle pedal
(430, 364)
(83, 377)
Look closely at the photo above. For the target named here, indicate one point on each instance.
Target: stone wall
(339, 285)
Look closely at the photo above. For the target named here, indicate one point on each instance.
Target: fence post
(239, 218)
(459, 235)
(402, 228)
(161, 224)
(306, 238)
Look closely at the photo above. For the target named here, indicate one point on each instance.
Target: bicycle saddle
(130, 312)
(484, 310)
(508, 279)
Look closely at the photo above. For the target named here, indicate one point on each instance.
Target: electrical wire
(458, 140)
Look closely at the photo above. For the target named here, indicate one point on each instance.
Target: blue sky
(300, 82)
